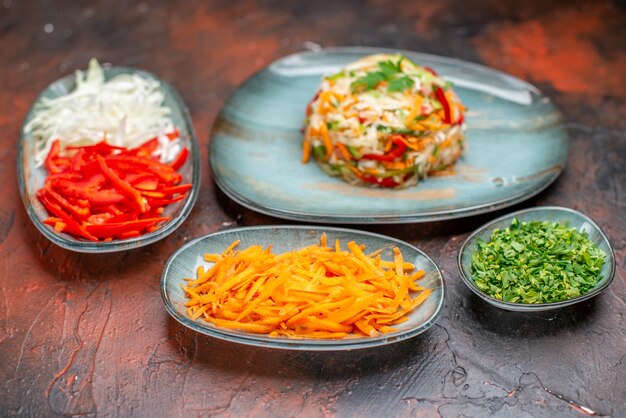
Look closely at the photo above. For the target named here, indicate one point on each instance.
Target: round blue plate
(517, 146)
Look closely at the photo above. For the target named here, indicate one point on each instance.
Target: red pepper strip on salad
(441, 96)
(394, 153)
(384, 182)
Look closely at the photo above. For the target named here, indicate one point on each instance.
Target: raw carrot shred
(312, 292)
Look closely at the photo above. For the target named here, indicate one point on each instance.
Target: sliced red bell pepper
(139, 161)
(441, 96)
(173, 135)
(78, 160)
(67, 219)
(180, 159)
(150, 183)
(102, 148)
(144, 150)
(394, 153)
(107, 230)
(63, 203)
(183, 188)
(122, 185)
(100, 189)
(383, 182)
(164, 202)
(106, 197)
(50, 162)
(430, 70)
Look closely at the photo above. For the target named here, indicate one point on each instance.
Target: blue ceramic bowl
(184, 262)
(31, 178)
(574, 218)
(517, 146)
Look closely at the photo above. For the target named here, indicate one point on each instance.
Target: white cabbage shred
(126, 110)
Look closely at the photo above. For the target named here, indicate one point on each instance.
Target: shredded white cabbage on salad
(126, 110)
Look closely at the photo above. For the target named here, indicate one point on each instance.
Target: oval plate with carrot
(303, 288)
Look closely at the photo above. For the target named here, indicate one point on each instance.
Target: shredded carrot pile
(313, 292)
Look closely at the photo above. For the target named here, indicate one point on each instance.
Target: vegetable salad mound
(384, 121)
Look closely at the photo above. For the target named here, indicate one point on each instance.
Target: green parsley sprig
(390, 72)
(536, 262)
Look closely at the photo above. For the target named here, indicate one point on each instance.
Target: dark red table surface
(85, 335)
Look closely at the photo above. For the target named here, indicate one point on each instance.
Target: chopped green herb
(536, 262)
(436, 150)
(389, 68)
(389, 71)
(400, 84)
(368, 81)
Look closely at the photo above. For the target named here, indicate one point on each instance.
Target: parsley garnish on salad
(390, 72)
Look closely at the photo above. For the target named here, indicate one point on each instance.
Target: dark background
(86, 334)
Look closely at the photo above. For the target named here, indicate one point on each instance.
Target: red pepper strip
(169, 178)
(101, 148)
(461, 119)
(124, 217)
(129, 234)
(52, 220)
(72, 226)
(78, 161)
(180, 159)
(173, 135)
(105, 197)
(122, 185)
(50, 164)
(113, 229)
(56, 223)
(183, 188)
(79, 189)
(441, 96)
(397, 152)
(65, 205)
(142, 162)
(430, 70)
(144, 150)
(147, 184)
(384, 182)
(134, 178)
(157, 195)
(65, 176)
(83, 203)
(163, 202)
(100, 218)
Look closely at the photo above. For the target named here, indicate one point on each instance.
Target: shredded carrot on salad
(313, 292)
